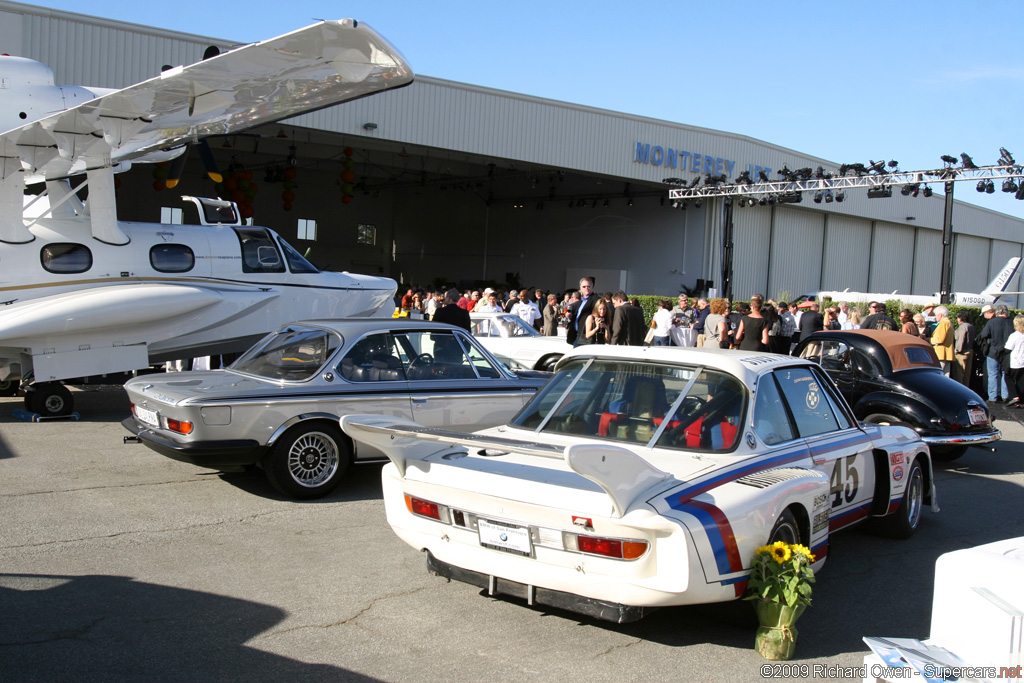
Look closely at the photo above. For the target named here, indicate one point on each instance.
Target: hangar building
(466, 184)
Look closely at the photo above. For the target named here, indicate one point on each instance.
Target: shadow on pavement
(75, 628)
(361, 482)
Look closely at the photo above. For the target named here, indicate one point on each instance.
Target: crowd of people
(617, 320)
(584, 316)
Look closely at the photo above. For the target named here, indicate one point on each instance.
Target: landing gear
(49, 399)
(10, 387)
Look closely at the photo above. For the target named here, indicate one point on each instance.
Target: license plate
(977, 416)
(508, 538)
(148, 416)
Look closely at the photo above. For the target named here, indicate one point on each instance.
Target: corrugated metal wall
(892, 258)
(751, 251)
(970, 263)
(798, 238)
(927, 262)
(847, 253)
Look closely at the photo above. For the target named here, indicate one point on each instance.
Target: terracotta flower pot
(776, 635)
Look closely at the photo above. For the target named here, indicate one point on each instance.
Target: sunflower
(803, 550)
(780, 552)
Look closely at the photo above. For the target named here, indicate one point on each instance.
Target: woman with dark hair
(752, 334)
(774, 324)
(907, 322)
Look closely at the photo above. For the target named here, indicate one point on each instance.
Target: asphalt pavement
(119, 564)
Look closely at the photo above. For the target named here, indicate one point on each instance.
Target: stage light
(828, 197)
(893, 164)
(981, 186)
(763, 201)
(946, 159)
(840, 196)
(1009, 185)
(968, 162)
(695, 182)
(818, 196)
(1005, 157)
(1020, 192)
(762, 176)
(744, 178)
(928, 191)
(879, 192)
(990, 187)
(698, 203)
(876, 167)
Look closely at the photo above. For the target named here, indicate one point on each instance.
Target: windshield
(292, 354)
(677, 407)
(296, 261)
(503, 326)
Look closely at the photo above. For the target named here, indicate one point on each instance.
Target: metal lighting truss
(803, 180)
(837, 182)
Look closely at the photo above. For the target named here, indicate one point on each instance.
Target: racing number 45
(844, 481)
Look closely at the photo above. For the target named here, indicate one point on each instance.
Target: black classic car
(895, 378)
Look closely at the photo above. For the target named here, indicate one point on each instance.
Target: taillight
(611, 547)
(424, 508)
(179, 426)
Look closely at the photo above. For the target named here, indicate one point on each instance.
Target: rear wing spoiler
(619, 472)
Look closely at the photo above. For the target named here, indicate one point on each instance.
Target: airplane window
(65, 257)
(172, 258)
(259, 254)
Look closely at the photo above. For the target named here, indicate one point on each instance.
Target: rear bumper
(211, 454)
(962, 439)
(535, 595)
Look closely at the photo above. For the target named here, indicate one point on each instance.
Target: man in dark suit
(811, 321)
(628, 328)
(451, 312)
(578, 313)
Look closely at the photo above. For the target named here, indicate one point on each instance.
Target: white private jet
(994, 293)
(84, 294)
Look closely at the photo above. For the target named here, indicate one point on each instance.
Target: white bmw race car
(644, 477)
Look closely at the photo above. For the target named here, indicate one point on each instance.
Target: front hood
(180, 387)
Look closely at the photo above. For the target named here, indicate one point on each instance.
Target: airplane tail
(1002, 279)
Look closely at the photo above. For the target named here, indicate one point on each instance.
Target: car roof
(894, 344)
(361, 325)
(745, 365)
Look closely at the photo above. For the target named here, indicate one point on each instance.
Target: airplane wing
(308, 69)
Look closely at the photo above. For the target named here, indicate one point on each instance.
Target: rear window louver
(763, 480)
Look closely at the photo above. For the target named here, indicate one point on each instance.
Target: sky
(847, 82)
